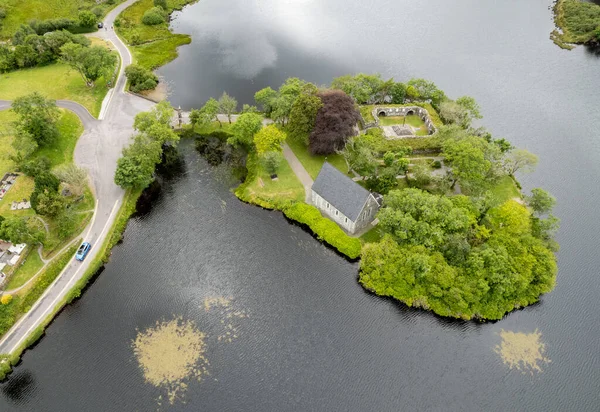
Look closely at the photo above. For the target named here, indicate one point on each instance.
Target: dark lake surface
(313, 339)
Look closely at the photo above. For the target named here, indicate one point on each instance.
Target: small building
(343, 200)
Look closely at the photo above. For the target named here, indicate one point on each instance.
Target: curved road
(97, 150)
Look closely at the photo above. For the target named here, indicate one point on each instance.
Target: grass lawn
(505, 190)
(22, 189)
(6, 137)
(19, 12)
(55, 81)
(287, 187)
(412, 120)
(313, 164)
(152, 46)
(61, 152)
(32, 264)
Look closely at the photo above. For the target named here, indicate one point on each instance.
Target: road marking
(59, 296)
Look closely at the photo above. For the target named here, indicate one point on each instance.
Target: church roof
(340, 191)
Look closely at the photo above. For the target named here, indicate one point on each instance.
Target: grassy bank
(18, 12)
(287, 195)
(55, 81)
(151, 46)
(579, 22)
(7, 361)
(313, 163)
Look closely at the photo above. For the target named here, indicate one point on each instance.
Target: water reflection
(20, 387)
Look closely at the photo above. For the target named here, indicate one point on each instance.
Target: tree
(244, 129)
(398, 93)
(210, 111)
(87, 18)
(74, 177)
(161, 114)
(140, 78)
(271, 162)
(475, 163)
(6, 299)
(227, 105)
(17, 229)
(519, 160)
(135, 168)
(426, 90)
(415, 217)
(90, 62)
(246, 108)
(269, 139)
(540, 201)
(335, 123)
(471, 108)
(359, 156)
(304, 113)
(37, 117)
(364, 88)
(21, 34)
(50, 203)
(264, 98)
(197, 118)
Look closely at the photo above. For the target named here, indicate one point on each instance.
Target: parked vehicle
(83, 251)
(100, 25)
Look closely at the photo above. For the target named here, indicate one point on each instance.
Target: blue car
(83, 251)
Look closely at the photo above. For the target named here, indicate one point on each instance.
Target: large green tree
(244, 129)
(304, 113)
(90, 62)
(269, 139)
(37, 118)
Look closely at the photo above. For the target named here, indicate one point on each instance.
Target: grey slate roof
(340, 191)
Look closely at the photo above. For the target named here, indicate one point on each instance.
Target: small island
(397, 175)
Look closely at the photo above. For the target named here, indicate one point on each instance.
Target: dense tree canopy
(436, 256)
(269, 139)
(334, 124)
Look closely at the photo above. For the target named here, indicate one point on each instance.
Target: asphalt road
(97, 151)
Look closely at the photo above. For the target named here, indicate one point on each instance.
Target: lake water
(312, 338)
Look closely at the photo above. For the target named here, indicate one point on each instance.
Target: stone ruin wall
(401, 111)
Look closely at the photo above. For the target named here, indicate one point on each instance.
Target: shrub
(153, 16)
(87, 18)
(325, 229)
(6, 299)
(140, 78)
(161, 3)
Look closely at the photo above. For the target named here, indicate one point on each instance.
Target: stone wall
(403, 111)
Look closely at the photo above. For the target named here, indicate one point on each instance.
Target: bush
(161, 3)
(6, 299)
(45, 26)
(87, 18)
(153, 16)
(140, 78)
(325, 229)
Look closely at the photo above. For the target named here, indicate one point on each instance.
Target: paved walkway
(299, 170)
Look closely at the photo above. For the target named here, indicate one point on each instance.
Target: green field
(19, 12)
(55, 81)
(151, 46)
(32, 265)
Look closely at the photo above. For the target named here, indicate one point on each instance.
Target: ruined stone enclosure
(402, 131)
